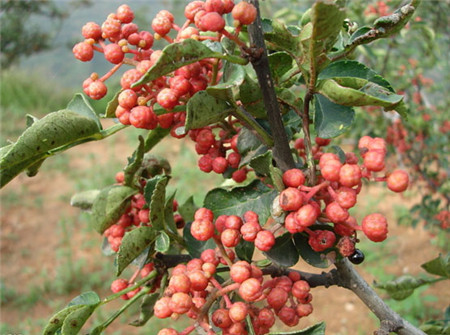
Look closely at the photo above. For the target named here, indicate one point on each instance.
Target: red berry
(214, 6)
(336, 213)
(199, 282)
(328, 156)
(322, 142)
(193, 8)
(288, 316)
(96, 90)
(220, 223)
(291, 199)
(291, 224)
(204, 213)
(277, 298)
(264, 240)
(293, 178)
(129, 78)
(374, 161)
(145, 271)
(239, 175)
(240, 271)
(145, 41)
(238, 311)
(180, 303)
(125, 14)
(375, 227)
(161, 25)
(91, 30)
(233, 222)
(83, 51)
(331, 169)
(205, 163)
(300, 289)
(167, 98)
(346, 197)
(111, 29)
(165, 121)
(234, 159)
(119, 285)
(127, 98)
(306, 216)
(322, 240)
(168, 331)
(244, 13)
(249, 230)
(230, 237)
(398, 181)
(143, 117)
(304, 309)
(221, 318)
(180, 85)
(211, 21)
(209, 256)
(128, 29)
(350, 175)
(363, 144)
(346, 246)
(377, 144)
(202, 229)
(180, 283)
(162, 309)
(250, 290)
(219, 165)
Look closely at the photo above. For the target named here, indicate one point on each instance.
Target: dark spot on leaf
(38, 147)
(74, 323)
(55, 321)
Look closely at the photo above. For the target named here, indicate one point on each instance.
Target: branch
(390, 320)
(260, 62)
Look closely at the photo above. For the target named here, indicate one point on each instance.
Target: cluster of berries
(121, 284)
(231, 229)
(337, 187)
(192, 288)
(136, 104)
(137, 214)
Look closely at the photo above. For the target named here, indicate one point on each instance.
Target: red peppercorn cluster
(136, 215)
(231, 229)
(122, 42)
(335, 192)
(192, 288)
(122, 284)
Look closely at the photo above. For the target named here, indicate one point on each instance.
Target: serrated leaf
(110, 111)
(75, 320)
(81, 105)
(84, 200)
(162, 243)
(309, 256)
(55, 132)
(86, 298)
(349, 69)
(155, 195)
(148, 302)
(176, 55)
(402, 287)
(233, 77)
(109, 205)
(194, 246)
(204, 109)
(255, 197)
(56, 321)
(261, 164)
(280, 37)
(317, 329)
(357, 92)
(187, 210)
(284, 251)
(331, 119)
(133, 244)
(439, 266)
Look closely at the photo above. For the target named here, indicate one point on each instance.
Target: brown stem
(308, 145)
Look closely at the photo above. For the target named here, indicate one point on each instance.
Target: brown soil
(29, 247)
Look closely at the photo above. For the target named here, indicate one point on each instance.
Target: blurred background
(48, 253)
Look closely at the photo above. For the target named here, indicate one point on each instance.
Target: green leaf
(402, 287)
(255, 197)
(176, 55)
(154, 137)
(86, 298)
(233, 77)
(310, 256)
(75, 320)
(292, 123)
(280, 37)
(146, 309)
(133, 244)
(193, 246)
(244, 250)
(169, 221)
(84, 200)
(204, 109)
(81, 105)
(110, 111)
(109, 205)
(439, 266)
(155, 196)
(317, 329)
(55, 132)
(284, 251)
(350, 68)
(331, 119)
(261, 163)
(357, 92)
(249, 146)
(162, 243)
(56, 321)
(251, 97)
(280, 63)
(187, 210)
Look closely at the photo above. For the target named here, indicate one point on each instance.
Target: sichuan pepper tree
(262, 101)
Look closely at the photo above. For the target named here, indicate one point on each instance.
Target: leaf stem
(240, 113)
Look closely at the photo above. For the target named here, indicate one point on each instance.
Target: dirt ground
(27, 242)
